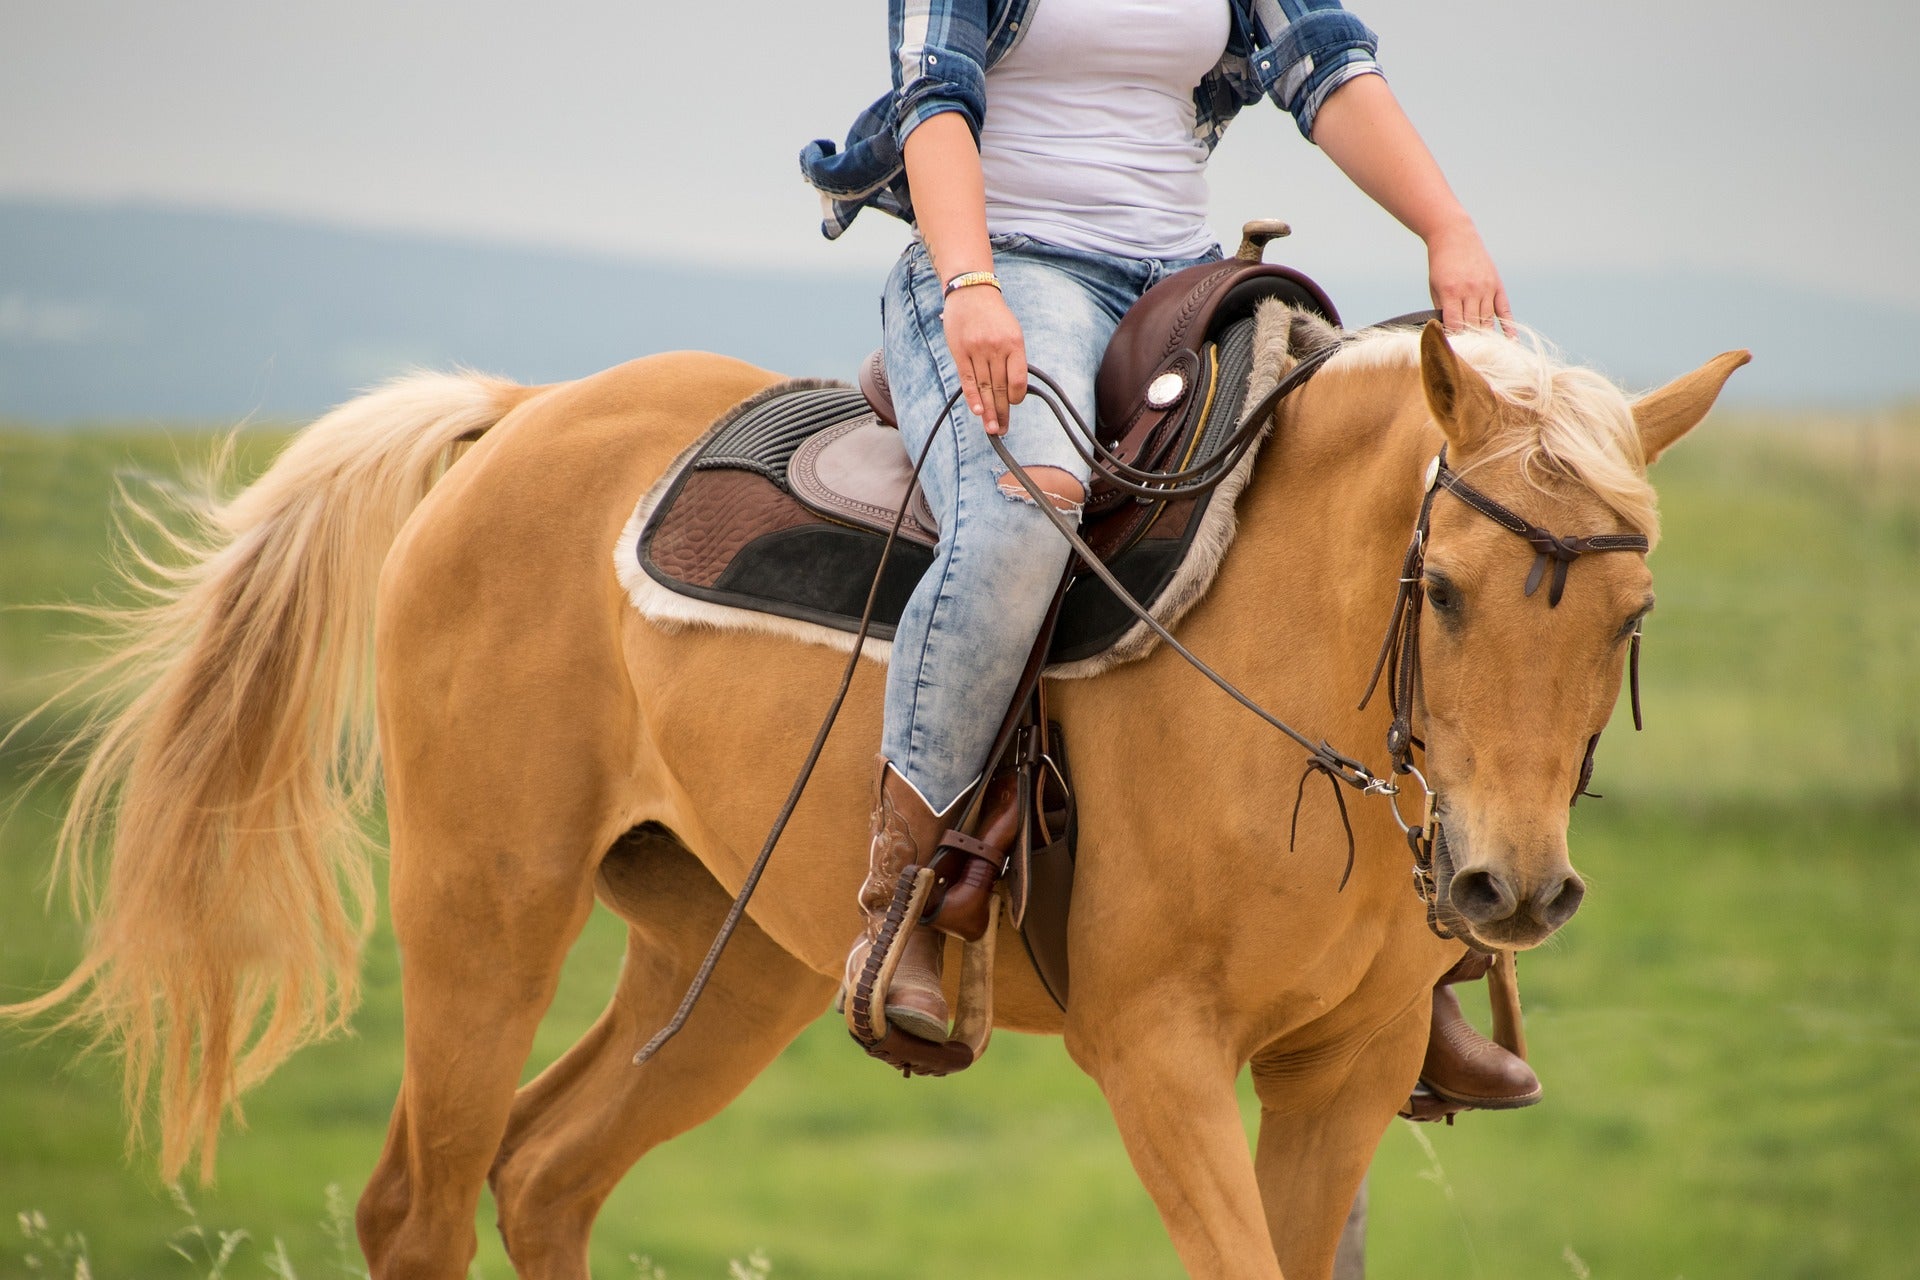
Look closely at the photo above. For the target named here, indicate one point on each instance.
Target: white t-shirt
(1089, 136)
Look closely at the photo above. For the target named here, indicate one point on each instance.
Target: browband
(1547, 546)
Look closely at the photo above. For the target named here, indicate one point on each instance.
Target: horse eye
(1441, 595)
(1634, 623)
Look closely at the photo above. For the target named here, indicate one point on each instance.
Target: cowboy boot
(1463, 1067)
(906, 832)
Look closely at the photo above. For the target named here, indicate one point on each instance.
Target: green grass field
(1729, 1032)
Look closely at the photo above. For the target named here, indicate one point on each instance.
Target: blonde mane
(1575, 425)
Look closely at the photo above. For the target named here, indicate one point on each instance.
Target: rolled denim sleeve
(939, 62)
(1314, 47)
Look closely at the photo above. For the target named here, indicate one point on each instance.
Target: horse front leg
(1170, 1085)
(1322, 1113)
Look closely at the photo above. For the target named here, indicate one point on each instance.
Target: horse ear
(1665, 415)
(1457, 396)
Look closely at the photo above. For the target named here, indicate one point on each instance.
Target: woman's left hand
(1464, 282)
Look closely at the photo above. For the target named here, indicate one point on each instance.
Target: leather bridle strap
(1400, 646)
(1547, 546)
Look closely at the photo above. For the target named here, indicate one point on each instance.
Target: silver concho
(1433, 473)
(1166, 389)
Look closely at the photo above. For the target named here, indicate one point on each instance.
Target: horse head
(1514, 683)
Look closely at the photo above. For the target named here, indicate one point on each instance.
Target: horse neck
(1304, 595)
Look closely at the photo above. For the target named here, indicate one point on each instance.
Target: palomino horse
(543, 745)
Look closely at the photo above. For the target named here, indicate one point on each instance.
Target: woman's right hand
(989, 352)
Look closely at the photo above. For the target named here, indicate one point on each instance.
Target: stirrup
(865, 1003)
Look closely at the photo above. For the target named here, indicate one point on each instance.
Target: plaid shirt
(1293, 51)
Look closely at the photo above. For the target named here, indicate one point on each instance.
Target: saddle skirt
(774, 520)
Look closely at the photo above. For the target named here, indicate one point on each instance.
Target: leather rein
(1205, 475)
(1400, 649)
(1112, 469)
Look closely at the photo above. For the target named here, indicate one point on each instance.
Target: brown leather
(1466, 1069)
(905, 833)
(1049, 904)
(1041, 879)
(916, 1057)
(915, 1002)
(965, 870)
(716, 514)
(1400, 647)
(875, 387)
(964, 879)
(1425, 1106)
(1166, 331)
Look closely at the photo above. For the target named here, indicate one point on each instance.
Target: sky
(1750, 137)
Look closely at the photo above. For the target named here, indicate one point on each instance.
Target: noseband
(1400, 648)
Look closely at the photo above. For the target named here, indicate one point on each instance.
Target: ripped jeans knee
(1067, 494)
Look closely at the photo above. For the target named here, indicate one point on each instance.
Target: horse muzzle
(1496, 908)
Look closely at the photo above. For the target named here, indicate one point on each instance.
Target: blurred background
(214, 214)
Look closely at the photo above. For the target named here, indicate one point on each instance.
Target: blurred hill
(127, 312)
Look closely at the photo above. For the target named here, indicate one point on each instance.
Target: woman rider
(1051, 156)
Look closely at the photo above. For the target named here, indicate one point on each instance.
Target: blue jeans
(970, 624)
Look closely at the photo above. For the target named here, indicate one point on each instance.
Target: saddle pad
(741, 523)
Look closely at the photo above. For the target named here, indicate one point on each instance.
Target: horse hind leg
(484, 925)
(491, 879)
(578, 1127)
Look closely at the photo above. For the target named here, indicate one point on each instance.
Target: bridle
(1400, 649)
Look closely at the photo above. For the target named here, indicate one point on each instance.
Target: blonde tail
(227, 785)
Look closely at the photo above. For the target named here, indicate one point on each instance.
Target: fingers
(1465, 284)
(1503, 309)
(997, 379)
(970, 387)
(1464, 310)
(988, 395)
(985, 382)
(1008, 379)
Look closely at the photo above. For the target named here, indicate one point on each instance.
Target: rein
(1400, 649)
(1199, 478)
(1401, 642)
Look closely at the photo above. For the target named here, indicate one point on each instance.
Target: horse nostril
(1555, 906)
(1481, 897)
